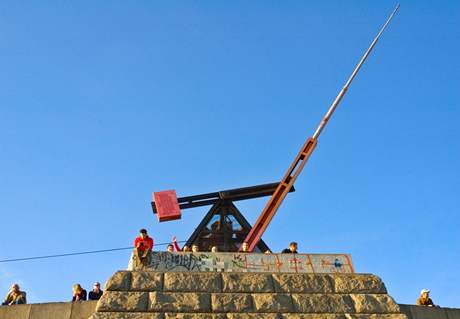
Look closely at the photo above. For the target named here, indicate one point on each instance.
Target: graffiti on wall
(239, 262)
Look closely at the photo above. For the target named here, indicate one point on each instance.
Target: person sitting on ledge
(96, 293)
(214, 249)
(425, 299)
(291, 250)
(170, 248)
(15, 296)
(143, 246)
(79, 294)
(245, 247)
(195, 248)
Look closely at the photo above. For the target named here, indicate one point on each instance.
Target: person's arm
(176, 246)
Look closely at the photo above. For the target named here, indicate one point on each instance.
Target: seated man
(96, 293)
(15, 296)
(143, 246)
(170, 248)
(291, 250)
(245, 247)
(425, 299)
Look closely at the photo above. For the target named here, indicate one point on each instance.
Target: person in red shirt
(143, 246)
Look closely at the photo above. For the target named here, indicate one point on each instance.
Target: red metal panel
(167, 205)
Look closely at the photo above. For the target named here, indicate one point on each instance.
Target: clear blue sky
(102, 103)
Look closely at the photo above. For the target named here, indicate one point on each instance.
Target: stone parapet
(240, 262)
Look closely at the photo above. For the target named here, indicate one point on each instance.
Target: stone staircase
(243, 295)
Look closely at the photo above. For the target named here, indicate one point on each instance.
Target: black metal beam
(235, 194)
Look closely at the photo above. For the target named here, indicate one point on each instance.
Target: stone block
(374, 304)
(83, 310)
(421, 312)
(127, 315)
(264, 302)
(377, 316)
(179, 302)
(303, 283)
(452, 313)
(123, 301)
(146, 281)
(171, 315)
(55, 310)
(359, 284)
(254, 316)
(226, 302)
(120, 281)
(15, 312)
(312, 316)
(247, 282)
(321, 303)
(196, 282)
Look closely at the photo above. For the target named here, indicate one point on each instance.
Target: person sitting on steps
(143, 246)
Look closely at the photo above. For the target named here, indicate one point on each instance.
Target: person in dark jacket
(291, 250)
(96, 293)
(79, 294)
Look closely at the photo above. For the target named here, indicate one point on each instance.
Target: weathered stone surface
(313, 316)
(15, 312)
(273, 302)
(376, 316)
(123, 301)
(170, 315)
(51, 310)
(247, 282)
(232, 302)
(323, 303)
(374, 304)
(254, 316)
(146, 281)
(303, 283)
(196, 282)
(121, 280)
(82, 310)
(127, 315)
(180, 302)
(359, 284)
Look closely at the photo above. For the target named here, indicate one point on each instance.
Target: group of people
(18, 297)
(80, 294)
(143, 246)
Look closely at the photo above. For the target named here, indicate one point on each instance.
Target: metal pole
(352, 76)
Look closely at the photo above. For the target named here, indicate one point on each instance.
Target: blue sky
(104, 102)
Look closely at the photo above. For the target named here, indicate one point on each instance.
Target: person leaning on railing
(15, 296)
(424, 299)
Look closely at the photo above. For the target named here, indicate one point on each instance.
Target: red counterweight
(166, 205)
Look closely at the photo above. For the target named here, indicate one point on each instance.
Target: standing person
(15, 296)
(96, 293)
(424, 299)
(79, 294)
(291, 250)
(143, 245)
